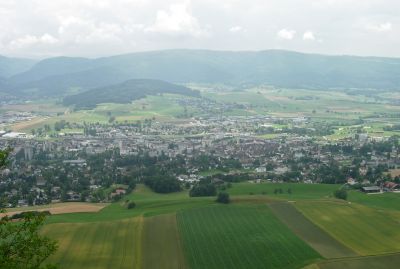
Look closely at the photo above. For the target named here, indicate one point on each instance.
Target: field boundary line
(138, 245)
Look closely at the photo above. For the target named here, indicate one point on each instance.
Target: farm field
(377, 262)
(96, 245)
(161, 243)
(240, 237)
(147, 202)
(298, 191)
(381, 201)
(160, 107)
(322, 242)
(254, 231)
(365, 230)
(60, 208)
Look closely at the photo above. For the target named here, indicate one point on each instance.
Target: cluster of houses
(233, 138)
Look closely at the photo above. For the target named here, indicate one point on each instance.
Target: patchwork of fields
(259, 230)
(365, 230)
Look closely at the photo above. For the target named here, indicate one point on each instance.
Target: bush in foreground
(223, 198)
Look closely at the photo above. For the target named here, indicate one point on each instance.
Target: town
(104, 161)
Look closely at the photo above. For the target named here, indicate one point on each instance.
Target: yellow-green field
(365, 230)
(255, 231)
(97, 245)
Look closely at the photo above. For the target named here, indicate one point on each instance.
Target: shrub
(223, 198)
(131, 205)
(340, 194)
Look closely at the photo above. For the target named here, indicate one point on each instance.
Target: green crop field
(376, 262)
(231, 236)
(306, 227)
(365, 230)
(147, 202)
(325, 244)
(384, 200)
(96, 245)
(298, 191)
(161, 243)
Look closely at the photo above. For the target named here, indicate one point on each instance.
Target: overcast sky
(92, 28)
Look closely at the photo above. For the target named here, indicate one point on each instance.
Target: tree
(21, 244)
(131, 205)
(223, 198)
(203, 189)
(340, 194)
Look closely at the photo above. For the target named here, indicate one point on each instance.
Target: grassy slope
(147, 202)
(95, 245)
(385, 200)
(365, 230)
(325, 244)
(237, 236)
(379, 262)
(299, 191)
(201, 221)
(161, 243)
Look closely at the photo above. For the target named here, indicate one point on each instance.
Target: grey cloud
(41, 28)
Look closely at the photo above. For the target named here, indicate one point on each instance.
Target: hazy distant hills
(55, 76)
(126, 92)
(13, 66)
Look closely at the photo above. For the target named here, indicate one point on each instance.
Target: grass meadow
(258, 230)
(96, 245)
(365, 230)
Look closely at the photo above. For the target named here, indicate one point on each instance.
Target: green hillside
(126, 92)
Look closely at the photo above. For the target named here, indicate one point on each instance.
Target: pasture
(147, 202)
(59, 208)
(289, 190)
(161, 243)
(365, 230)
(96, 245)
(322, 242)
(380, 201)
(237, 236)
(255, 231)
(376, 262)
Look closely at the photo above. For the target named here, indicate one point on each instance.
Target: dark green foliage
(21, 245)
(203, 189)
(340, 194)
(223, 198)
(163, 184)
(3, 157)
(125, 92)
(131, 205)
(30, 213)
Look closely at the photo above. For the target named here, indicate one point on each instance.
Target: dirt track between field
(61, 208)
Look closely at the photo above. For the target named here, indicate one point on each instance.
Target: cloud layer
(43, 28)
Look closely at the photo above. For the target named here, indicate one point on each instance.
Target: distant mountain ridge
(54, 76)
(12, 66)
(126, 92)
